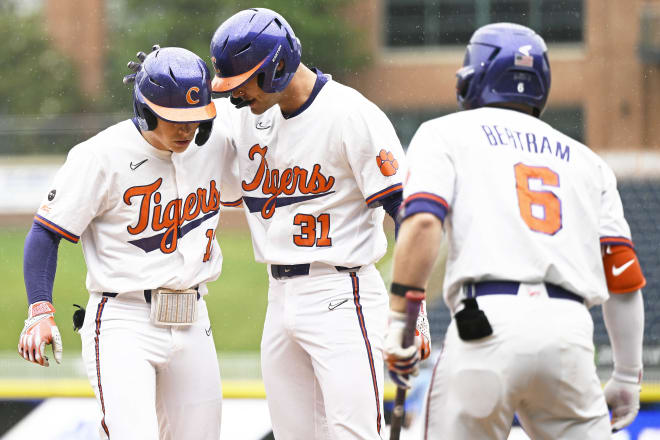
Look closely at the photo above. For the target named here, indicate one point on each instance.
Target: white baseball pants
(322, 354)
(151, 382)
(538, 363)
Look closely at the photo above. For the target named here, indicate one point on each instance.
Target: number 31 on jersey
(314, 231)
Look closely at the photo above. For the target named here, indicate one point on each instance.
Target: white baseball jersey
(523, 202)
(146, 217)
(307, 181)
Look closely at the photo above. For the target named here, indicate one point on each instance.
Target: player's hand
(135, 67)
(404, 362)
(40, 329)
(622, 396)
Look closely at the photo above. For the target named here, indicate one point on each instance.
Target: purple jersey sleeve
(40, 263)
(391, 203)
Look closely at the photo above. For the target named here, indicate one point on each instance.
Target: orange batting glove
(40, 329)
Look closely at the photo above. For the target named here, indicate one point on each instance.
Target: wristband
(627, 374)
(401, 289)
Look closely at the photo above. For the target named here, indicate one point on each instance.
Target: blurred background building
(402, 54)
(604, 57)
(604, 54)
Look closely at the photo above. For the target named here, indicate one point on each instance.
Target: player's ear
(280, 65)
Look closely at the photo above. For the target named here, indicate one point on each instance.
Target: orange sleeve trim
(238, 202)
(383, 193)
(53, 227)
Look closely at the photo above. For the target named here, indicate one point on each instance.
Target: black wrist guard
(401, 289)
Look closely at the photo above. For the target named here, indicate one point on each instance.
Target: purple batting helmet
(173, 84)
(253, 42)
(504, 63)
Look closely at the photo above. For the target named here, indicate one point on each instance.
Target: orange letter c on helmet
(189, 98)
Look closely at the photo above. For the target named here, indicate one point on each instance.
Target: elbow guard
(622, 270)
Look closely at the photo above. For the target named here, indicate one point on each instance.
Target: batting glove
(423, 333)
(40, 329)
(622, 396)
(404, 362)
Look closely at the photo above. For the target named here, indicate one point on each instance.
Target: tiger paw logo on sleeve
(387, 164)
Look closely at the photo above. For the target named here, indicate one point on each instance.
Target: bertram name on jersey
(526, 141)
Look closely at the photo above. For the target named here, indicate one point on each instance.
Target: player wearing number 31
(144, 203)
(316, 162)
(536, 235)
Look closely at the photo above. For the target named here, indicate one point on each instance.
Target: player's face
(259, 100)
(171, 136)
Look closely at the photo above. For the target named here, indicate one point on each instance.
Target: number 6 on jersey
(550, 222)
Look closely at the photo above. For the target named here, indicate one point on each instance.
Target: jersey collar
(321, 80)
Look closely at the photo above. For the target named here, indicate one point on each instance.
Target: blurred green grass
(236, 301)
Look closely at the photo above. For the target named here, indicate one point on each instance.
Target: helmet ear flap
(150, 118)
(203, 132)
(145, 117)
(464, 78)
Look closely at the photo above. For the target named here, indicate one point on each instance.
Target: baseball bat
(412, 310)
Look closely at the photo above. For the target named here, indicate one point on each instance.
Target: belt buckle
(173, 307)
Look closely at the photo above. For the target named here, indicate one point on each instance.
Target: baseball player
(536, 235)
(145, 206)
(316, 161)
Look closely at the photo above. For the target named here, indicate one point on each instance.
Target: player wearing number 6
(536, 235)
(144, 203)
(316, 162)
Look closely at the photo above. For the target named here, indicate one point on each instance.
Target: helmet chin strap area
(203, 132)
(238, 102)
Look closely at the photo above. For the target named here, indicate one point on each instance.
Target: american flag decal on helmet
(523, 58)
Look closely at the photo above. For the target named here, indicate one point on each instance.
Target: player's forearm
(40, 263)
(415, 253)
(624, 319)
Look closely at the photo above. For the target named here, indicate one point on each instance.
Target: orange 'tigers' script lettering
(273, 182)
(175, 212)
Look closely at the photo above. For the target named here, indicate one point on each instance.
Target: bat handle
(412, 310)
(413, 304)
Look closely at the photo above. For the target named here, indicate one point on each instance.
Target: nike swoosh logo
(616, 271)
(334, 304)
(261, 126)
(134, 167)
(208, 332)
